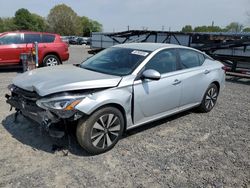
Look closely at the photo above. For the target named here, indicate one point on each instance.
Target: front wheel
(50, 60)
(100, 131)
(209, 99)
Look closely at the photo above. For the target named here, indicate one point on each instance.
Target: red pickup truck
(51, 49)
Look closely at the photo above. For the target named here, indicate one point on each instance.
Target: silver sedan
(118, 89)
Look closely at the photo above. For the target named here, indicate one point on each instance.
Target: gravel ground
(187, 150)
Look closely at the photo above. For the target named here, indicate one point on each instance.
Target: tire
(51, 60)
(101, 131)
(209, 99)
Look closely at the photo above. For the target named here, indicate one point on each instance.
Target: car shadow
(237, 80)
(8, 69)
(33, 135)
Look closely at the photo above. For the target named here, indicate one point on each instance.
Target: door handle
(207, 71)
(176, 82)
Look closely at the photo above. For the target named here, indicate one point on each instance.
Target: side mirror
(151, 74)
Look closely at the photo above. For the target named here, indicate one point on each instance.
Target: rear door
(30, 39)
(11, 46)
(47, 44)
(153, 99)
(194, 77)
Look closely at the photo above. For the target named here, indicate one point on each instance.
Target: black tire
(209, 99)
(100, 131)
(51, 60)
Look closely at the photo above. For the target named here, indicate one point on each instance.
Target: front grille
(25, 102)
(21, 99)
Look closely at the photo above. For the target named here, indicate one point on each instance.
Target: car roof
(146, 46)
(29, 32)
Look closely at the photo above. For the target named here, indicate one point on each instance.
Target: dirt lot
(186, 150)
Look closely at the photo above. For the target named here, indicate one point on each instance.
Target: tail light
(225, 68)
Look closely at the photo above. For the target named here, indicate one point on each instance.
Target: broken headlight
(68, 103)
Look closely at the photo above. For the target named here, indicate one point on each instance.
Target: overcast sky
(153, 14)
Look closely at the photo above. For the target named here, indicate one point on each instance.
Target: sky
(117, 15)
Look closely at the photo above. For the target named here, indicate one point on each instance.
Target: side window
(12, 38)
(46, 38)
(31, 38)
(163, 62)
(189, 58)
(201, 58)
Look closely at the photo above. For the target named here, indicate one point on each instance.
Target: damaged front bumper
(25, 102)
(37, 114)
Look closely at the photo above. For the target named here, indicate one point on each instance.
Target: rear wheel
(101, 131)
(209, 99)
(51, 60)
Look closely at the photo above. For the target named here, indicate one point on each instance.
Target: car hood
(60, 78)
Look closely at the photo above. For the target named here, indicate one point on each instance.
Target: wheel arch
(217, 84)
(51, 53)
(120, 98)
(117, 106)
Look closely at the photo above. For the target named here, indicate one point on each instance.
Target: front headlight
(59, 104)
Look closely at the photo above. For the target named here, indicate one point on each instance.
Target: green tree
(208, 29)
(86, 26)
(63, 20)
(187, 28)
(234, 27)
(8, 24)
(39, 23)
(247, 29)
(23, 19)
(96, 26)
(214, 29)
(89, 26)
(1, 25)
(200, 29)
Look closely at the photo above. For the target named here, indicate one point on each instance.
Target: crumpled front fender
(120, 96)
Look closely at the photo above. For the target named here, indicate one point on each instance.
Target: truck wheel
(101, 131)
(50, 60)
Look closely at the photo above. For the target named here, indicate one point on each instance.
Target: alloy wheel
(211, 98)
(105, 131)
(51, 61)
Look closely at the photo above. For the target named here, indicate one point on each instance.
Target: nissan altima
(118, 89)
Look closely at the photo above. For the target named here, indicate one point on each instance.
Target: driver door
(10, 48)
(155, 99)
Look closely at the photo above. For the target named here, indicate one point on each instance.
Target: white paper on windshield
(141, 53)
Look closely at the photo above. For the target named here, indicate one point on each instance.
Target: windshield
(115, 61)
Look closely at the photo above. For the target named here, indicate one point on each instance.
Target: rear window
(46, 38)
(190, 58)
(31, 38)
(201, 58)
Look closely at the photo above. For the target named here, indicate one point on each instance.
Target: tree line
(62, 19)
(232, 27)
